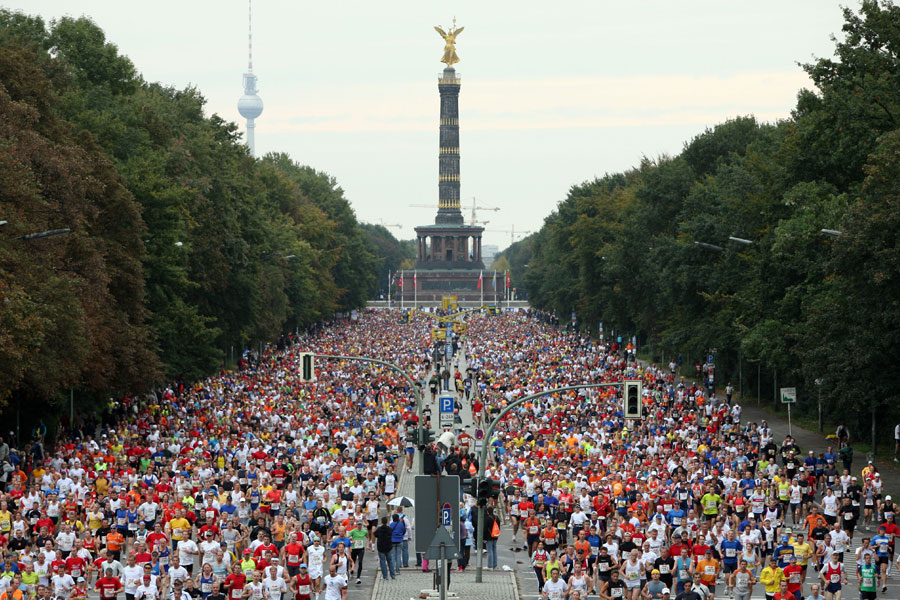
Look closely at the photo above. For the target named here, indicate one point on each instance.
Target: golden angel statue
(450, 58)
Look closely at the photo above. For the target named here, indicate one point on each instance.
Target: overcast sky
(553, 94)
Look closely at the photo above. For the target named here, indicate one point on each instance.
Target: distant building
(250, 105)
(489, 253)
(449, 254)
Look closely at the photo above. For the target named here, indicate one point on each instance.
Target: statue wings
(452, 35)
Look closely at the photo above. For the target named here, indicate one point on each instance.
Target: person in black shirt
(665, 564)
(385, 548)
(614, 588)
(19, 541)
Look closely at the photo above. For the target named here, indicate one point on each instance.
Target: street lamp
(740, 240)
(712, 247)
(45, 234)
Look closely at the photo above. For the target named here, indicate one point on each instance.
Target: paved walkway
(496, 585)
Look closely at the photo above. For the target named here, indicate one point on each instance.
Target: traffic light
(633, 401)
(484, 491)
(470, 486)
(426, 436)
(495, 488)
(412, 433)
(307, 367)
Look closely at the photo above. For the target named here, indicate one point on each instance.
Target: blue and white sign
(447, 410)
(446, 515)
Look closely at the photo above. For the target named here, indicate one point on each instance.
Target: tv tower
(250, 105)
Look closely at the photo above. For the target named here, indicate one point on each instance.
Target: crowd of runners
(253, 485)
(689, 502)
(247, 485)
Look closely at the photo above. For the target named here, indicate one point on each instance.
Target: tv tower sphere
(250, 106)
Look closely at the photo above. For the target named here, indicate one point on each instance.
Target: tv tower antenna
(250, 104)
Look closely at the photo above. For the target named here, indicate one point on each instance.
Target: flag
(392, 278)
(479, 280)
(415, 274)
(507, 280)
(401, 280)
(494, 284)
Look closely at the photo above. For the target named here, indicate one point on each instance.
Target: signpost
(789, 396)
(437, 521)
(447, 409)
(479, 440)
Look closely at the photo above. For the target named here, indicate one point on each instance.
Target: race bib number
(358, 543)
(303, 590)
(868, 582)
(532, 530)
(663, 569)
(709, 570)
(836, 578)
(616, 592)
(729, 552)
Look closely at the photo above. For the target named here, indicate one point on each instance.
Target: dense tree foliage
(394, 254)
(622, 249)
(183, 247)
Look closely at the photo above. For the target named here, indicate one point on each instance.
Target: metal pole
(443, 567)
(819, 385)
(790, 432)
(874, 437)
(758, 383)
(412, 386)
(775, 387)
(482, 459)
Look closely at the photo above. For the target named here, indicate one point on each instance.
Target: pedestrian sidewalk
(815, 441)
(495, 585)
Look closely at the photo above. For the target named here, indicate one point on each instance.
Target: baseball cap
(784, 538)
(654, 572)
(887, 497)
(666, 591)
(303, 566)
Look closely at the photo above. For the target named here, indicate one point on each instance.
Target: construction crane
(513, 234)
(475, 207)
(473, 220)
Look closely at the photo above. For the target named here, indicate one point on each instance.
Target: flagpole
(481, 285)
(389, 289)
(415, 289)
(401, 289)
